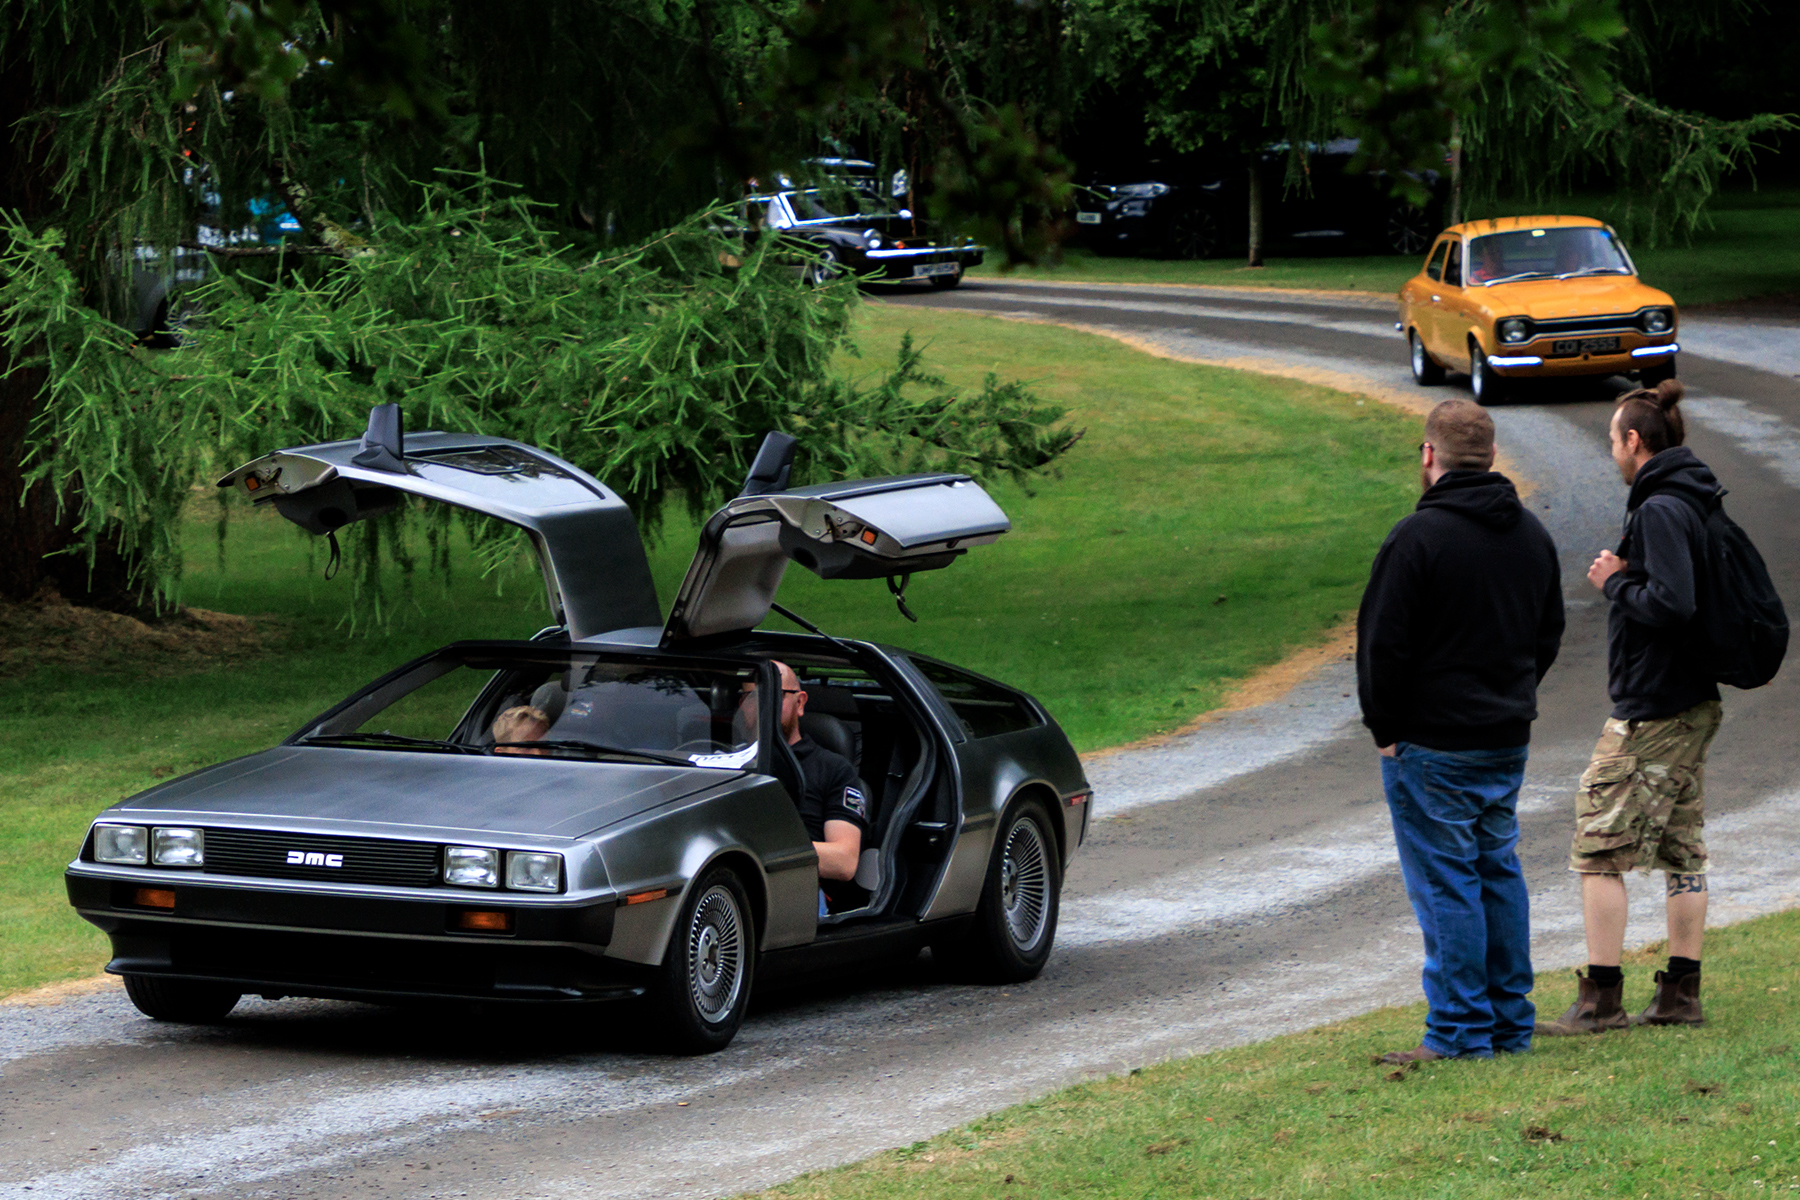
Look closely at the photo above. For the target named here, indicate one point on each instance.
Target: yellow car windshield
(1545, 254)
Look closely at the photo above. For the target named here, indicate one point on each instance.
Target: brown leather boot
(1677, 1002)
(1596, 1010)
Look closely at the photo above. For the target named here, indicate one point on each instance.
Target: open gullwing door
(863, 529)
(595, 570)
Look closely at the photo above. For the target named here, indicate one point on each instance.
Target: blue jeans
(1456, 822)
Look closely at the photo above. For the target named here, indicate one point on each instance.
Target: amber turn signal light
(485, 922)
(155, 897)
(646, 897)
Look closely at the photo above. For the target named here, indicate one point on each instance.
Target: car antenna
(807, 625)
(899, 591)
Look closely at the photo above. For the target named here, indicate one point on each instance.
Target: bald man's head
(793, 700)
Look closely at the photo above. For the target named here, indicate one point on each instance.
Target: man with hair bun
(1640, 804)
(1462, 617)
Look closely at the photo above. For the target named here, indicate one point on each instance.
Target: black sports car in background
(404, 845)
(851, 230)
(1194, 208)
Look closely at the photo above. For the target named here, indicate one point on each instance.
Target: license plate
(1082, 218)
(1585, 346)
(923, 270)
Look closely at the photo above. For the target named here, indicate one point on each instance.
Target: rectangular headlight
(530, 871)
(177, 847)
(122, 844)
(471, 866)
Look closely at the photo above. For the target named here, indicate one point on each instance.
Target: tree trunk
(32, 532)
(1256, 215)
(1456, 172)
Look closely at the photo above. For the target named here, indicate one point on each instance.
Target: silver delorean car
(648, 844)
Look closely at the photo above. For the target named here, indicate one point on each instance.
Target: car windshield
(1545, 254)
(545, 703)
(835, 204)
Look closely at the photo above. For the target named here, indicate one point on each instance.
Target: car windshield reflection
(1545, 254)
(555, 705)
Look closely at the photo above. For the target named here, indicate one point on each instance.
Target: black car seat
(834, 735)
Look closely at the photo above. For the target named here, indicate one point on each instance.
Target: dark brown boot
(1596, 1009)
(1677, 1002)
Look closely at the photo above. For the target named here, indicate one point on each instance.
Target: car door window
(1453, 265)
(1434, 269)
(984, 709)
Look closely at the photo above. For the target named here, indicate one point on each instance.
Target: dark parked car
(1189, 209)
(647, 843)
(851, 230)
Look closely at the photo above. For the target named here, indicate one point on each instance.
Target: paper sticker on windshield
(853, 800)
(731, 760)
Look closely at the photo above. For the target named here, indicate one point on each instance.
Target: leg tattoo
(1682, 885)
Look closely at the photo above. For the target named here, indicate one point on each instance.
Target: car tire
(1194, 233)
(1649, 377)
(824, 268)
(945, 282)
(1425, 369)
(1487, 385)
(703, 989)
(187, 1001)
(1408, 230)
(1015, 922)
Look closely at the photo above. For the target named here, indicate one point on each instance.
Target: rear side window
(984, 709)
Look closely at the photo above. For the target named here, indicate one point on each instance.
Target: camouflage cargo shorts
(1641, 800)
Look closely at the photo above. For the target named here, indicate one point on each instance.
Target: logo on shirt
(853, 800)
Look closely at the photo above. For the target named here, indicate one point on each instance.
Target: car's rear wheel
(703, 989)
(1485, 382)
(947, 281)
(824, 268)
(1426, 372)
(1408, 230)
(184, 1000)
(1194, 233)
(1015, 923)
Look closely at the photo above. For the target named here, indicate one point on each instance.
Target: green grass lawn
(1707, 1112)
(1209, 522)
(1750, 247)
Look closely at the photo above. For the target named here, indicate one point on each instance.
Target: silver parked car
(648, 843)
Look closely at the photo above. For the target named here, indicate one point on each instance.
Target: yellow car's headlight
(1514, 330)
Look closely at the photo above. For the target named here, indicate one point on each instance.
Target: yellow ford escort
(1534, 297)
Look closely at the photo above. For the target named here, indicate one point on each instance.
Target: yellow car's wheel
(1485, 382)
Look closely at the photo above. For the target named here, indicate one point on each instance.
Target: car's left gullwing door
(861, 529)
(595, 569)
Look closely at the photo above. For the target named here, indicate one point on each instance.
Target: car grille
(1611, 323)
(269, 854)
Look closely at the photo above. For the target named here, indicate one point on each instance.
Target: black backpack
(1739, 632)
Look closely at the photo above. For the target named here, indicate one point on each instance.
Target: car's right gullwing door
(862, 529)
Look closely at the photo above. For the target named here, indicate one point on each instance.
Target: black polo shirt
(832, 790)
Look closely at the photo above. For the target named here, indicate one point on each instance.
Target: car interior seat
(834, 735)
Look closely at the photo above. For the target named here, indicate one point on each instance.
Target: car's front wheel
(1484, 381)
(1194, 233)
(1426, 371)
(183, 1000)
(703, 989)
(824, 268)
(1015, 923)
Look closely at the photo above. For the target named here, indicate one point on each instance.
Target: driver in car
(834, 804)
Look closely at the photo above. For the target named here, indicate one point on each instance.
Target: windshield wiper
(595, 749)
(1520, 275)
(1596, 271)
(387, 739)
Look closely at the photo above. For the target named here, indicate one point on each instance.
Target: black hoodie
(1648, 672)
(1462, 617)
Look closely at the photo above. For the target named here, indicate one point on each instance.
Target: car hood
(384, 791)
(1550, 299)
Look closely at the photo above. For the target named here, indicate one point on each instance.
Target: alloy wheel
(1025, 885)
(716, 954)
